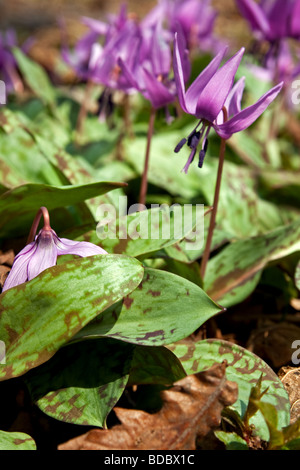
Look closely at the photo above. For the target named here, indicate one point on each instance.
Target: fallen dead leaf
(290, 377)
(6, 261)
(191, 409)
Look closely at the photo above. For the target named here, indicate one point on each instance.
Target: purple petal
(214, 95)
(295, 20)
(70, 247)
(233, 101)
(178, 74)
(160, 54)
(255, 15)
(202, 80)
(278, 19)
(156, 91)
(18, 272)
(45, 255)
(97, 26)
(246, 117)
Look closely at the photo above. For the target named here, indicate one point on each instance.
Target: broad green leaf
(187, 252)
(39, 316)
(155, 365)
(241, 210)
(73, 169)
(35, 77)
(150, 230)
(18, 151)
(82, 382)
(163, 309)
(233, 274)
(232, 440)
(16, 441)
(19, 205)
(244, 368)
(281, 186)
(164, 165)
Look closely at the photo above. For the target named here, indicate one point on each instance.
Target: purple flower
(42, 254)
(211, 92)
(195, 18)
(150, 73)
(272, 19)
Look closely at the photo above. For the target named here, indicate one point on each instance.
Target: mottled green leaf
(155, 365)
(233, 274)
(16, 441)
(35, 77)
(39, 316)
(150, 230)
(18, 151)
(244, 368)
(82, 382)
(19, 205)
(164, 165)
(232, 440)
(153, 313)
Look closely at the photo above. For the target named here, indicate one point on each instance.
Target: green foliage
(84, 330)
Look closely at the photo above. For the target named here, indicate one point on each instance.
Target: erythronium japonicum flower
(41, 253)
(211, 92)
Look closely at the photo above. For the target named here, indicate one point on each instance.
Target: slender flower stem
(144, 183)
(43, 211)
(212, 223)
(83, 109)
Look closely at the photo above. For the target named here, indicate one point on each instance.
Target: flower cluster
(136, 56)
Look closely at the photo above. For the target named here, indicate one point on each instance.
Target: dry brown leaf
(290, 377)
(6, 261)
(191, 409)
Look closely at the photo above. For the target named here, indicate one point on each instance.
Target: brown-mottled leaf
(191, 409)
(233, 274)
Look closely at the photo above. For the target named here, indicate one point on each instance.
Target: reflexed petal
(156, 92)
(45, 255)
(178, 72)
(70, 247)
(202, 80)
(214, 95)
(18, 272)
(246, 117)
(160, 54)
